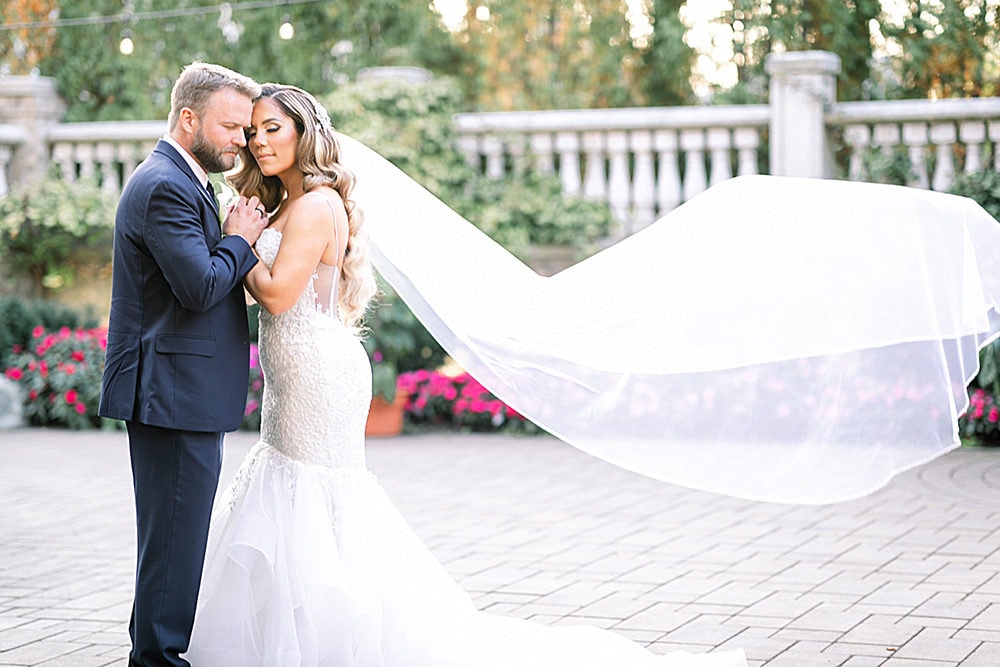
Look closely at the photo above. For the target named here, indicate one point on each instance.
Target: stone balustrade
(641, 161)
(940, 138)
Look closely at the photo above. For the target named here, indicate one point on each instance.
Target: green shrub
(59, 373)
(397, 342)
(982, 186)
(19, 317)
(45, 227)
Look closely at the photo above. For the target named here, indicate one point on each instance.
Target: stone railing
(642, 161)
(104, 152)
(938, 138)
(11, 136)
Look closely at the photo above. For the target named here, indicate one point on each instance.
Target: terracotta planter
(384, 418)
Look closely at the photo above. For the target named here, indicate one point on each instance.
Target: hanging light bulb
(126, 46)
(287, 30)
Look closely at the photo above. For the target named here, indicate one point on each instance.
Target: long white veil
(777, 339)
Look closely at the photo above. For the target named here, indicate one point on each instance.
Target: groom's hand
(245, 218)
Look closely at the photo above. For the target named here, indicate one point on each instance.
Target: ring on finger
(261, 211)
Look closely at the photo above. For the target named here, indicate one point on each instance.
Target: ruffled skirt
(309, 565)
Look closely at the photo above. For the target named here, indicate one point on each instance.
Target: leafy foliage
(332, 42)
(983, 186)
(60, 374)
(948, 48)
(459, 401)
(44, 225)
(19, 318)
(553, 54)
(397, 343)
(804, 25)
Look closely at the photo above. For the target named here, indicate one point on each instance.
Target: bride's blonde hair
(318, 158)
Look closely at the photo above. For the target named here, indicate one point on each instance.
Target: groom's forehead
(230, 106)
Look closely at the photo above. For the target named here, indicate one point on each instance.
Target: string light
(126, 46)
(287, 30)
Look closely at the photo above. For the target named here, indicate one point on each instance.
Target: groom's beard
(213, 160)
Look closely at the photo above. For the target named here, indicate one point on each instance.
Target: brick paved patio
(907, 577)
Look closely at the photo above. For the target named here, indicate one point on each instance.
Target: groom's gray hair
(198, 81)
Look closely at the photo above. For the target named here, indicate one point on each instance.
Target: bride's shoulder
(316, 209)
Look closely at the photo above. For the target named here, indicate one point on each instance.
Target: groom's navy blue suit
(176, 372)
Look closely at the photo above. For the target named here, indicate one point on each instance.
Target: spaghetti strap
(336, 230)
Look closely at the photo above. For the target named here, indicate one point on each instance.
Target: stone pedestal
(33, 104)
(803, 87)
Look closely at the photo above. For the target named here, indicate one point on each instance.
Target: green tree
(668, 61)
(332, 42)
(551, 54)
(949, 48)
(840, 26)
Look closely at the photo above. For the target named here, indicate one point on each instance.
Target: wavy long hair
(318, 157)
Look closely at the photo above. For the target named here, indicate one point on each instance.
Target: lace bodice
(317, 378)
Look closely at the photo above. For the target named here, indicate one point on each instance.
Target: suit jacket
(178, 341)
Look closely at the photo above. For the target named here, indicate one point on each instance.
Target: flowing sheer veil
(776, 339)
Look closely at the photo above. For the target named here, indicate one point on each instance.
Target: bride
(308, 562)
(783, 340)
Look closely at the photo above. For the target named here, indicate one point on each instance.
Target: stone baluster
(619, 182)
(915, 139)
(5, 156)
(643, 181)
(62, 155)
(695, 178)
(468, 145)
(595, 184)
(857, 138)
(972, 133)
(515, 146)
(719, 146)
(886, 137)
(83, 155)
(747, 142)
(668, 181)
(568, 147)
(104, 154)
(994, 130)
(542, 151)
(943, 136)
(492, 147)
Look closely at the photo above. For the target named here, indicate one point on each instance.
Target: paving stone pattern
(906, 577)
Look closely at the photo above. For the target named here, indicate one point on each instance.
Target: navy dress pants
(175, 475)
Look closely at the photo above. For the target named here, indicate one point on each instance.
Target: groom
(177, 360)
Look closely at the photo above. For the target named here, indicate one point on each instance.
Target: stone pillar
(31, 103)
(803, 87)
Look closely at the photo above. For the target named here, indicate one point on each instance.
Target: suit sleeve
(201, 271)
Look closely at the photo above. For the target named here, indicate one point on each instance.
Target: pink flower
(37, 332)
(252, 406)
(70, 369)
(71, 396)
(994, 415)
(78, 355)
(14, 373)
(33, 394)
(80, 408)
(377, 356)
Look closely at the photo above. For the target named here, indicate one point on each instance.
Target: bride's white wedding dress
(309, 562)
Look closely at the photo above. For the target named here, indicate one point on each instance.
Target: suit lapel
(212, 222)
